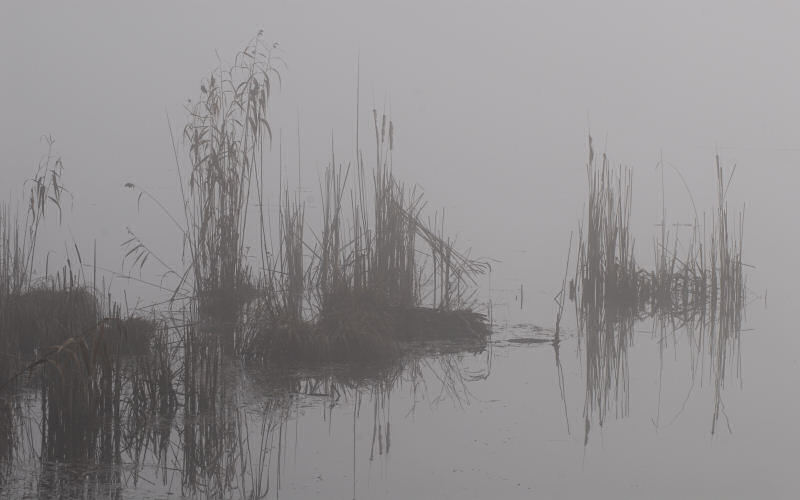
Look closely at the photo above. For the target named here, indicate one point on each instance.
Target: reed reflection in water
(196, 422)
(699, 290)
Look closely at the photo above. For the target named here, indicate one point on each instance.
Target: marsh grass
(702, 289)
(112, 421)
(335, 295)
(116, 391)
(19, 235)
(120, 392)
(359, 287)
(606, 265)
(62, 339)
(10, 415)
(226, 136)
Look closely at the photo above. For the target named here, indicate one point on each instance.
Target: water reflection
(190, 420)
(606, 335)
(699, 290)
(7, 442)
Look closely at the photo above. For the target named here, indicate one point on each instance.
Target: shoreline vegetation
(363, 287)
(368, 290)
(697, 285)
(369, 274)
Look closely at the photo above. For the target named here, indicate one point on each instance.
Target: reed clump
(359, 327)
(356, 328)
(606, 265)
(701, 288)
(79, 390)
(45, 317)
(60, 338)
(42, 318)
(373, 250)
(363, 289)
(153, 375)
(10, 413)
(706, 273)
(19, 235)
(177, 411)
(226, 136)
(117, 390)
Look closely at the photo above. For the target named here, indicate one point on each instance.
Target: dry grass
(368, 291)
(383, 253)
(226, 136)
(117, 390)
(702, 290)
(180, 415)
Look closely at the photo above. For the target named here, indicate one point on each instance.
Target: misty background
(492, 105)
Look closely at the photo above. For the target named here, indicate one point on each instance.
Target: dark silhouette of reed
(702, 290)
(122, 399)
(353, 290)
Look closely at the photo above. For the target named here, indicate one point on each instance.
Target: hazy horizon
(492, 104)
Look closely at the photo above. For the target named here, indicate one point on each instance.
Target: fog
(493, 103)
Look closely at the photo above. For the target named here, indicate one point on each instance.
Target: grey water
(493, 106)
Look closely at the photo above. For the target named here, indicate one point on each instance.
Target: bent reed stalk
(364, 285)
(113, 389)
(309, 291)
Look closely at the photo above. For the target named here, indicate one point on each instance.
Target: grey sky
(492, 101)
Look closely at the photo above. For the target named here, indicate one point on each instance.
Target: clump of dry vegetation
(705, 274)
(363, 287)
(375, 272)
(114, 389)
(702, 289)
(57, 336)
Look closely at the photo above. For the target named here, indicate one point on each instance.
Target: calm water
(480, 425)
(503, 149)
(500, 423)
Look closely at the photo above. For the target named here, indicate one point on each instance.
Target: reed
(703, 289)
(606, 265)
(729, 285)
(707, 273)
(396, 210)
(207, 429)
(176, 411)
(8, 258)
(11, 414)
(366, 289)
(67, 336)
(332, 270)
(305, 287)
(26, 312)
(226, 136)
(19, 236)
(292, 269)
(116, 391)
